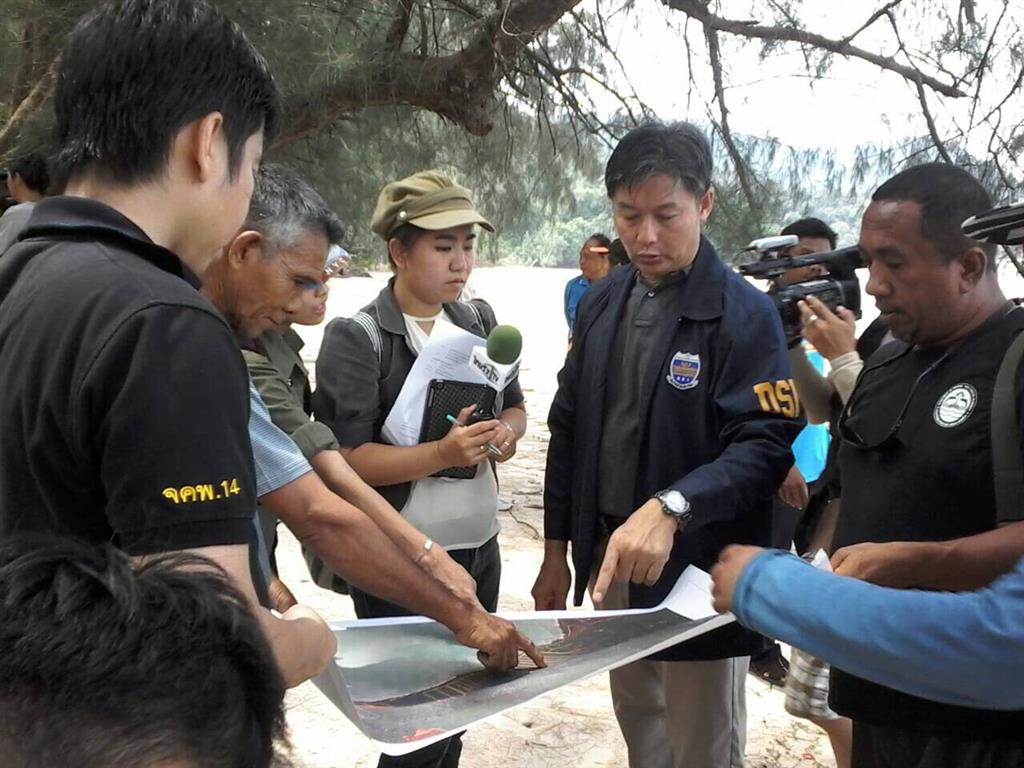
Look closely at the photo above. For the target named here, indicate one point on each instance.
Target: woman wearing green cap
(429, 224)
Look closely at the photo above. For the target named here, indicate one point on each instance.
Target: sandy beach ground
(574, 725)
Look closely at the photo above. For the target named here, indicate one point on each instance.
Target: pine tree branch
(460, 87)
(26, 58)
(399, 24)
(884, 10)
(932, 130)
(699, 12)
(967, 11)
(742, 172)
(24, 110)
(983, 64)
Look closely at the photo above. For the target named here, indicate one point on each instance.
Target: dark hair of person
(407, 234)
(135, 72)
(109, 664)
(811, 227)
(678, 150)
(601, 239)
(617, 253)
(32, 170)
(947, 195)
(284, 207)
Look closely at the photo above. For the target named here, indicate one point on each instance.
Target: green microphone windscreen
(504, 344)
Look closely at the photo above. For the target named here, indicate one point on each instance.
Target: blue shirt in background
(574, 291)
(278, 462)
(810, 449)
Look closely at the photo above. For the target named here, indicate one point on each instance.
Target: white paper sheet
(821, 561)
(444, 356)
(406, 683)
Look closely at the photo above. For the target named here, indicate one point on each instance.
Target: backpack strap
(476, 313)
(483, 313)
(368, 324)
(1007, 462)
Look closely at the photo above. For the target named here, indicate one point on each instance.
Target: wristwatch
(675, 505)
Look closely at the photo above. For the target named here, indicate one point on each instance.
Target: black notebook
(447, 398)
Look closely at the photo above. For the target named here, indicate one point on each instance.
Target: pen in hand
(455, 422)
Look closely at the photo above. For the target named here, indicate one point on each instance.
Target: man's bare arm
(966, 563)
(302, 642)
(339, 476)
(355, 548)
(815, 390)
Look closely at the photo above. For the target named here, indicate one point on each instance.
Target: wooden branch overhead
(698, 11)
(739, 162)
(460, 87)
(26, 59)
(933, 132)
(28, 105)
(399, 25)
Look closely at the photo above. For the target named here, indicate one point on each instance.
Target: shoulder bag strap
(1007, 462)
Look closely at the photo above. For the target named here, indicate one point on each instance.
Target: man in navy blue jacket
(670, 432)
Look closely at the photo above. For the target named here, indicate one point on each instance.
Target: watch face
(675, 502)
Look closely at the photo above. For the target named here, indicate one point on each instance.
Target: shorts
(807, 687)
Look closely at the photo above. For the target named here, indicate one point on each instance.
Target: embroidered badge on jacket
(955, 406)
(684, 370)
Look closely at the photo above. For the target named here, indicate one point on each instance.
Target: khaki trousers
(679, 714)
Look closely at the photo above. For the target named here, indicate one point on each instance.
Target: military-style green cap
(428, 199)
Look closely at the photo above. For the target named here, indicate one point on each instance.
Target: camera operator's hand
(831, 333)
(794, 489)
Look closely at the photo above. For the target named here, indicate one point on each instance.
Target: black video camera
(839, 287)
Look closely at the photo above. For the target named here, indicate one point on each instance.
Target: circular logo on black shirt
(955, 406)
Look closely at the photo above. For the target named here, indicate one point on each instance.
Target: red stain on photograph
(423, 733)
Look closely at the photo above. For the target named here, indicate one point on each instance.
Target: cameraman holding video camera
(829, 336)
(831, 333)
(811, 446)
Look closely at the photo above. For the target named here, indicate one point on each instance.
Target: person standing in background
(617, 256)
(27, 181)
(594, 265)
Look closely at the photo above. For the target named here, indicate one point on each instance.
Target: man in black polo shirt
(123, 397)
(916, 458)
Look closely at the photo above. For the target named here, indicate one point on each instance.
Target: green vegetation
(511, 99)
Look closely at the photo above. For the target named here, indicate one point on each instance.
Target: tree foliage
(518, 182)
(376, 90)
(512, 98)
(962, 63)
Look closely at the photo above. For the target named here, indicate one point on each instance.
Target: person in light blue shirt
(594, 265)
(963, 648)
(278, 461)
(810, 449)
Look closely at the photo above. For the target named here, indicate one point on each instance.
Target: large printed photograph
(408, 683)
